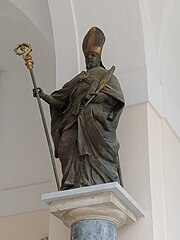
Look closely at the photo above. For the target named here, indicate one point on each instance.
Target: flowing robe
(84, 136)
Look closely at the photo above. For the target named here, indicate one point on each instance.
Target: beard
(92, 64)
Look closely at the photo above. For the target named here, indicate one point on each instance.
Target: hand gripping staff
(24, 49)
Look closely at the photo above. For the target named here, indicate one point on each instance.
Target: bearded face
(92, 60)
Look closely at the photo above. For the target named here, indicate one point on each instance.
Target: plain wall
(30, 226)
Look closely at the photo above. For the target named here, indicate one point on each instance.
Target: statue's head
(92, 47)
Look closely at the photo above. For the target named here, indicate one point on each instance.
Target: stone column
(94, 212)
(93, 229)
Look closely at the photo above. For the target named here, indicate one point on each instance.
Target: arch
(124, 47)
(23, 147)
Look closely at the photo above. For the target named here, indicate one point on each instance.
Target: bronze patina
(84, 117)
(85, 114)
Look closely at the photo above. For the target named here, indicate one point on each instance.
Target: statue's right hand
(40, 91)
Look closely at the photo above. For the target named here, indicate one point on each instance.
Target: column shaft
(93, 229)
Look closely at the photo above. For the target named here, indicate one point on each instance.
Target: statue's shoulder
(97, 72)
(97, 69)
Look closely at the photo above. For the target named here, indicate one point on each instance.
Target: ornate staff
(24, 49)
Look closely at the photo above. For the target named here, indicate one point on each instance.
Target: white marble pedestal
(95, 210)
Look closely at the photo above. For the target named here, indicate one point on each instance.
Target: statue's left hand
(99, 98)
(111, 116)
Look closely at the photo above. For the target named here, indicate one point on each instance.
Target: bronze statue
(84, 117)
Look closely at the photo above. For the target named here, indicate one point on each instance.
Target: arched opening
(23, 146)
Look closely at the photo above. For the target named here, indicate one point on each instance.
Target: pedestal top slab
(102, 189)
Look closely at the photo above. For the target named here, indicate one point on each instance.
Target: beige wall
(156, 171)
(31, 226)
(171, 158)
(57, 230)
(133, 137)
(164, 155)
(150, 163)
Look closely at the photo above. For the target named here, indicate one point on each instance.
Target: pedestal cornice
(105, 201)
